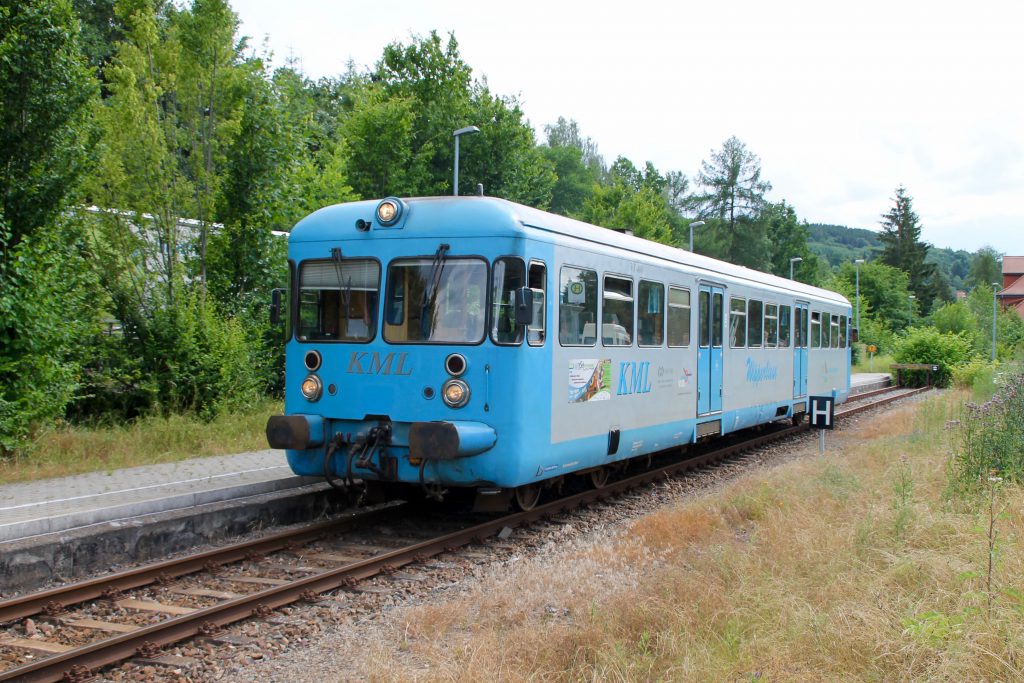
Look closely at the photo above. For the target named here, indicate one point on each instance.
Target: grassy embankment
(74, 450)
(853, 566)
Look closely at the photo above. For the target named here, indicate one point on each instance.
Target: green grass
(879, 363)
(74, 450)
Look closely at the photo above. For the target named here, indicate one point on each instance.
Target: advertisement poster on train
(590, 379)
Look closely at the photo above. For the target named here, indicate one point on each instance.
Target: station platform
(54, 505)
(864, 382)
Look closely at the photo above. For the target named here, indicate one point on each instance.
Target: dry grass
(853, 566)
(74, 450)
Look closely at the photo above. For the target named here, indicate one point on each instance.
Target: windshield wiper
(430, 291)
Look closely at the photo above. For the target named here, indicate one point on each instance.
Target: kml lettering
(634, 378)
(366, 363)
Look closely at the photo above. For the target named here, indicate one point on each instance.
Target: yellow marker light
(455, 393)
(312, 388)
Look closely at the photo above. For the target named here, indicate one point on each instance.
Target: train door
(801, 318)
(710, 306)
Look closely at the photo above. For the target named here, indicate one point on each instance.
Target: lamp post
(995, 289)
(791, 262)
(468, 130)
(695, 224)
(856, 265)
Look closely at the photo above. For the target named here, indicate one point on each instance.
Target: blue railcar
(470, 342)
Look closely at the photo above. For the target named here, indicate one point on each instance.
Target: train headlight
(455, 393)
(389, 211)
(312, 388)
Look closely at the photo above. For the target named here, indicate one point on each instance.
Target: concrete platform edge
(30, 563)
(83, 518)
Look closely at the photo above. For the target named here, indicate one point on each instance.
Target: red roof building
(1012, 295)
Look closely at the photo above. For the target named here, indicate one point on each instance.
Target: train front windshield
(440, 300)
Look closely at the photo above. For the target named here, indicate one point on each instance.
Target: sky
(842, 102)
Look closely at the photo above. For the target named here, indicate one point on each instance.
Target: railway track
(85, 626)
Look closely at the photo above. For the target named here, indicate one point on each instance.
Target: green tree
(902, 248)
(985, 268)
(46, 306)
(630, 200)
(46, 90)
(884, 293)
(731, 199)
(787, 238)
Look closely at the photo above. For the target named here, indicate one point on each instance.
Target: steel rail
(63, 596)
(78, 662)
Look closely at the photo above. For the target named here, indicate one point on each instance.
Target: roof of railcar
(490, 216)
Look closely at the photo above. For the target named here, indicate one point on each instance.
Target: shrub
(928, 345)
(967, 375)
(990, 436)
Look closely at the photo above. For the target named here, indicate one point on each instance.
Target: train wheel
(527, 496)
(599, 477)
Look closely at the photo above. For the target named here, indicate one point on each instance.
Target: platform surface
(868, 378)
(53, 505)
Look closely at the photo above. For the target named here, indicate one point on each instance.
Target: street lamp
(695, 224)
(995, 289)
(791, 262)
(468, 130)
(856, 265)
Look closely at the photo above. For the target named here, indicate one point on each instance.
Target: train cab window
(834, 335)
(755, 317)
(508, 275)
(577, 307)
(784, 328)
(650, 315)
(436, 300)
(617, 311)
(338, 300)
(679, 317)
(815, 329)
(771, 325)
(843, 336)
(738, 323)
(538, 282)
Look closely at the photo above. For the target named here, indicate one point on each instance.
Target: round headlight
(312, 388)
(455, 393)
(389, 211)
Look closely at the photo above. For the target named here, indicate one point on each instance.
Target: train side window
(799, 328)
(717, 313)
(617, 311)
(843, 338)
(650, 316)
(784, 330)
(535, 332)
(824, 330)
(834, 336)
(771, 325)
(738, 323)
(755, 325)
(704, 334)
(815, 329)
(509, 275)
(679, 317)
(577, 307)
